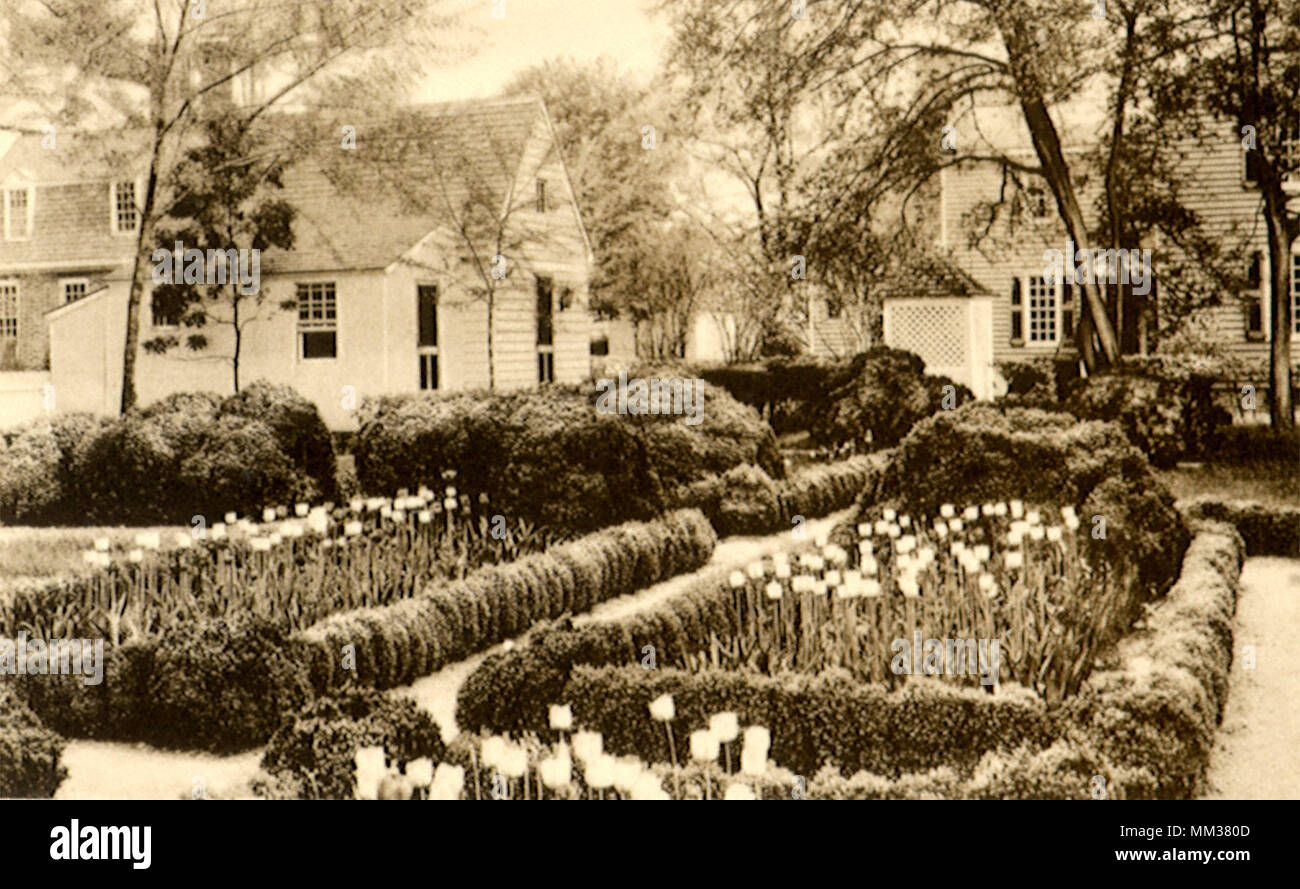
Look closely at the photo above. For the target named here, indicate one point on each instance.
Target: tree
(157, 69)
(1248, 71)
(225, 186)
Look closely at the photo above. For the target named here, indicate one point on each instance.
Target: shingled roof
(931, 276)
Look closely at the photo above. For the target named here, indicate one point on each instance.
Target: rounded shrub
(30, 753)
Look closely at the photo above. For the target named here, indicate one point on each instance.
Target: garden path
(1257, 749)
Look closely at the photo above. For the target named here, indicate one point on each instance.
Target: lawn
(1269, 482)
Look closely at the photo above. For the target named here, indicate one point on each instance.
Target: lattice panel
(937, 332)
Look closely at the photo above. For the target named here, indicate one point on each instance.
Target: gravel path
(1257, 751)
(111, 770)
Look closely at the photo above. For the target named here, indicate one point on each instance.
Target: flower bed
(292, 570)
(1141, 730)
(223, 684)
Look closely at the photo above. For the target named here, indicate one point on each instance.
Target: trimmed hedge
(1267, 530)
(220, 685)
(1157, 713)
(313, 753)
(550, 456)
(396, 644)
(188, 454)
(984, 453)
(816, 720)
(747, 501)
(29, 752)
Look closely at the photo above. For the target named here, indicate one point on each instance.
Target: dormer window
(123, 208)
(19, 205)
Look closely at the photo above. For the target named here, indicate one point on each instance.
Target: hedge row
(29, 752)
(395, 644)
(560, 456)
(747, 501)
(186, 455)
(1157, 713)
(1267, 530)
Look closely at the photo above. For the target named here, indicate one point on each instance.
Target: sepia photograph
(649, 400)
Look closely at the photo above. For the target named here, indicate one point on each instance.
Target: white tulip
(704, 746)
(561, 717)
(662, 709)
(738, 791)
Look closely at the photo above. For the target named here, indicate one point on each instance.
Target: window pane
(319, 344)
(545, 334)
(427, 299)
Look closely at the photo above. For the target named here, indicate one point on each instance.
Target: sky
(491, 49)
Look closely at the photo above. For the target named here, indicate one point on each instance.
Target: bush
(1254, 442)
(221, 685)
(29, 473)
(1267, 530)
(981, 453)
(398, 643)
(748, 503)
(29, 752)
(314, 750)
(550, 457)
(239, 467)
(300, 433)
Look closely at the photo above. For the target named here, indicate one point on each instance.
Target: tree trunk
(1280, 236)
(239, 335)
(136, 291)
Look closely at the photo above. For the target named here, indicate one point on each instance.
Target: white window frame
(5, 284)
(63, 289)
(320, 325)
(1027, 306)
(112, 207)
(1295, 301)
(430, 355)
(29, 223)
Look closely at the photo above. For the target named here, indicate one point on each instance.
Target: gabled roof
(931, 276)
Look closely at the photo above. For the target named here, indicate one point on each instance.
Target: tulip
(661, 708)
(600, 772)
(737, 580)
(982, 552)
(758, 739)
(626, 772)
(451, 492)
(905, 521)
(301, 510)
(90, 557)
(889, 514)
(821, 540)
(783, 571)
(955, 525)
(561, 717)
(424, 516)
(882, 527)
(869, 566)
(448, 781)
(449, 504)
(514, 762)
(1014, 560)
(217, 531)
(999, 509)
(556, 771)
(947, 511)
(352, 529)
(864, 529)
(941, 531)
(753, 763)
(871, 588)
(588, 746)
(907, 583)
(971, 513)
(268, 515)
(833, 578)
(1036, 532)
(136, 555)
(986, 583)
(648, 786)
(1033, 518)
(492, 751)
(260, 544)
(1017, 509)
(420, 771)
(101, 544)
(987, 509)
(774, 590)
(1054, 534)
(231, 518)
(894, 531)
(865, 547)
(755, 570)
(704, 746)
(182, 540)
(738, 791)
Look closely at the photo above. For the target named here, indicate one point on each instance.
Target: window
(1036, 201)
(426, 299)
(18, 213)
(73, 289)
(1295, 293)
(8, 310)
(125, 215)
(1067, 312)
(162, 315)
(1017, 314)
(317, 321)
(541, 195)
(1042, 310)
(600, 345)
(1253, 297)
(545, 331)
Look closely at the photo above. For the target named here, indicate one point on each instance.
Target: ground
(1255, 756)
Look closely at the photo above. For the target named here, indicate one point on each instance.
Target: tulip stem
(672, 752)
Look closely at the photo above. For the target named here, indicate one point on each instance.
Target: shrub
(127, 473)
(982, 453)
(300, 433)
(748, 503)
(29, 752)
(222, 685)
(1267, 530)
(29, 473)
(314, 750)
(550, 456)
(239, 467)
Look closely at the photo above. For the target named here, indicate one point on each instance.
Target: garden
(515, 596)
